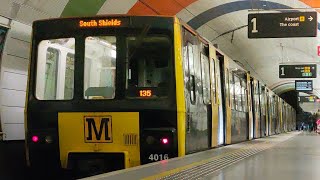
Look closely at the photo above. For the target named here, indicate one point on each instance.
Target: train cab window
(54, 80)
(69, 77)
(100, 67)
(148, 70)
(205, 74)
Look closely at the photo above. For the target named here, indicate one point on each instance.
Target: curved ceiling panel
(117, 6)
(165, 7)
(223, 9)
(82, 8)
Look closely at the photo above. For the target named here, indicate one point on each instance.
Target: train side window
(192, 84)
(205, 74)
(100, 67)
(213, 80)
(54, 81)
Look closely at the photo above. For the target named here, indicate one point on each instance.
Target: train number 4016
(158, 157)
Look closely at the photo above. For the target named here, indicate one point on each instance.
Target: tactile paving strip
(219, 163)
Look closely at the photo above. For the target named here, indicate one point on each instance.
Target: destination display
(282, 25)
(303, 85)
(298, 71)
(103, 22)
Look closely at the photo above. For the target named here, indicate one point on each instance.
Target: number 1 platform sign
(282, 25)
(298, 71)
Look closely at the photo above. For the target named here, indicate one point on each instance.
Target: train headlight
(35, 139)
(164, 141)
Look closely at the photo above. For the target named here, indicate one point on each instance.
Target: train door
(256, 108)
(269, 115)
(221, 112)
(275, 115)
(197, 103)
(206, 101)
(214, 97)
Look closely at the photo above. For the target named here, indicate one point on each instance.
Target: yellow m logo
(98, 129)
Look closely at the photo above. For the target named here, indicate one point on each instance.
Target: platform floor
(289, 156)
(295, 159)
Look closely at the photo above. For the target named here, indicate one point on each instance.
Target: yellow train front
(105, 93)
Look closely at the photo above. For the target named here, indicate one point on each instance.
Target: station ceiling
(223, 22)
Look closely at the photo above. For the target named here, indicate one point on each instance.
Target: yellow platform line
(179, 169)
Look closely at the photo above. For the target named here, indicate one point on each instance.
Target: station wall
(13, 79)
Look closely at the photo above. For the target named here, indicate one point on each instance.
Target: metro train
(112, 92)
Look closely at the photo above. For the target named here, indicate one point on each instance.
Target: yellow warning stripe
(179, 169)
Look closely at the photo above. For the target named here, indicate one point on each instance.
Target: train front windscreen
(132, 63)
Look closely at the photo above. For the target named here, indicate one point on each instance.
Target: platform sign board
(298, 71)
(303, 99)
(282, 25)
(303, 85)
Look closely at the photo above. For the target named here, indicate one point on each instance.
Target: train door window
(54, 81)
(274, 100)
(213, 80)
(244, 95)
(237, 92)
(192, 84)
(272, 106)
(263, 101)
(227, 80)
(205, 74)
(100, 67)
(232, 97)
(256, 97)
(69, 77)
